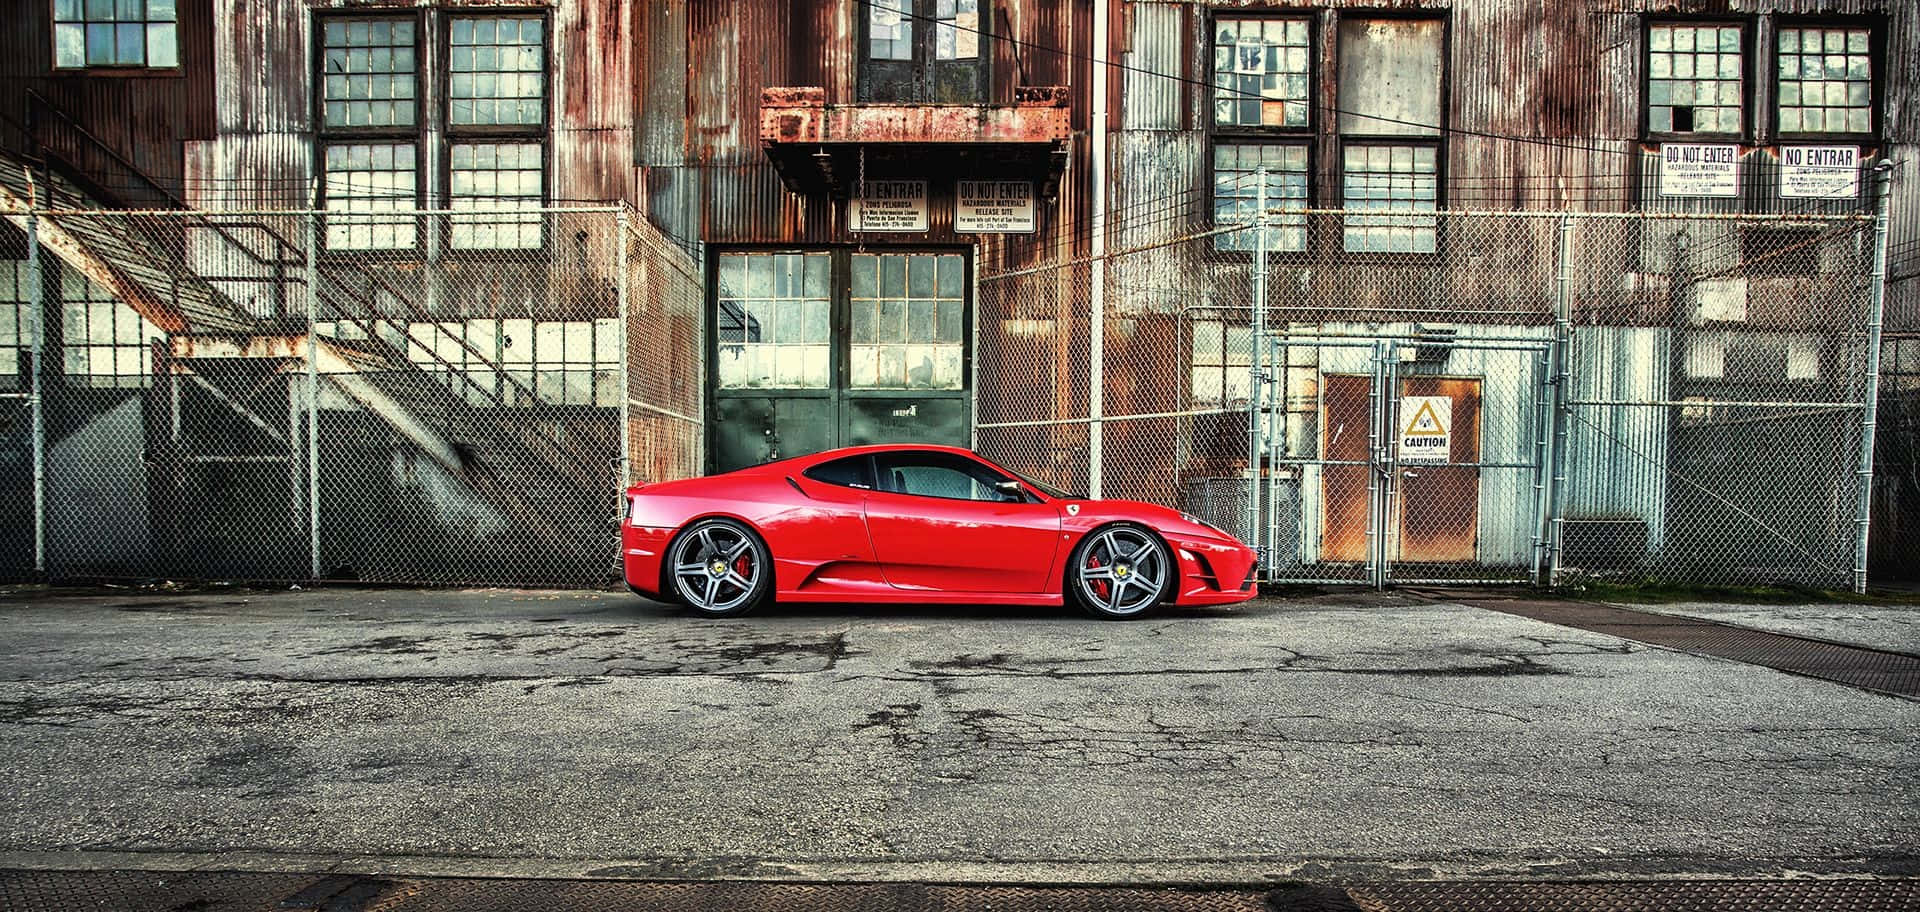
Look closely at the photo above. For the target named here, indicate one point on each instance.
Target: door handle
(1409, 474)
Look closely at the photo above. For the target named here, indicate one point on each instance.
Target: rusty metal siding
(591, 86)
(1158, 40)
(262, 59)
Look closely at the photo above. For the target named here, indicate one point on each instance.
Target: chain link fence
(1461, 396)
(395, 396)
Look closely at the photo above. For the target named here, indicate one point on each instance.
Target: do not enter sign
(1426, 425)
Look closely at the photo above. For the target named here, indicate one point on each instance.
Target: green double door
(818, 349)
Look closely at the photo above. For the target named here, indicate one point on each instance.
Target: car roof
(812, 459)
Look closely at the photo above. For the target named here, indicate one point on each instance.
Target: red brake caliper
(1100, 586)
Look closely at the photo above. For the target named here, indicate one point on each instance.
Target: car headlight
(1189, 517)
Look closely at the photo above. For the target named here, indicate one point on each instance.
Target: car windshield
(1045, 488)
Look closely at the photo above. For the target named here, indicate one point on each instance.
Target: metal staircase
(472, 428)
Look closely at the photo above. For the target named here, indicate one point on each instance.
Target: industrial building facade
(451, 272)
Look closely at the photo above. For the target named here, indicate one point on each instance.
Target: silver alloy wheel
(1122, 571)
(716, 567)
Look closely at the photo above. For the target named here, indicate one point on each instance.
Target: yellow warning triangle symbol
(1425, 423)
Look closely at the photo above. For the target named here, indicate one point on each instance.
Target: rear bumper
(1213, 572)
(641, 550)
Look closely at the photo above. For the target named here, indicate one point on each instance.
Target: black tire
(717, 568)
(1119, 572)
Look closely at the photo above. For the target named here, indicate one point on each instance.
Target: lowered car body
(916, 523)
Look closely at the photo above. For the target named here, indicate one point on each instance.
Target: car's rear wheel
(718, 567)
(1119, 571)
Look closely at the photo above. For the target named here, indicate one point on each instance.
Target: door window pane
(889, 30)
(771, 321)
(940, 475)
(908, 314)
(367, 77)
(496, 71)
(956, 29)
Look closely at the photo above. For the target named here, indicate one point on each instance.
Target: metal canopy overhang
(818, 146)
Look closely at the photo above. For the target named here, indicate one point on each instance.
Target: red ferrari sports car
(916, 523)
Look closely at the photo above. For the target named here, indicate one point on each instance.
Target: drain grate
(1873, 669)
(227, 891)
(150, 891)
(1639, 896)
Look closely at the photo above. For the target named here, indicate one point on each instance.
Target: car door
(939, 522)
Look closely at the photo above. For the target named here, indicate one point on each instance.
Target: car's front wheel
(720, 568)
(1119, 571)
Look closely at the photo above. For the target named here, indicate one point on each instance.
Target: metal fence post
(1562, 409)
(1376, 410)
(313, 394)
(1255, 378)
(620, 290)
(1870, 407)
(37, 301)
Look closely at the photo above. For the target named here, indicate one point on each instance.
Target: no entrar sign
(998, 207)
(1820, 172)
(890, 206)
(1699, 169)
(1426, 425)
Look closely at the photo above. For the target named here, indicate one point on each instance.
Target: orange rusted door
(1344, 499)
(1438, 517)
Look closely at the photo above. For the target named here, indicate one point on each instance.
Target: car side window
(851, 472)
(940, 475)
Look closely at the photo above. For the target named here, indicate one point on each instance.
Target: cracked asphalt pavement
(597, 734)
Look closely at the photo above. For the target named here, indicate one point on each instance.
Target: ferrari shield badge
(1073, 509)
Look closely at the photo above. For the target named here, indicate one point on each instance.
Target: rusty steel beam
(801, 114)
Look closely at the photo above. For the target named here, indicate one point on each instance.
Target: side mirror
(1011, 490)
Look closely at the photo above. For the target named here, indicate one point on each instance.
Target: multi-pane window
(373, 106)
(1220, 360)
(496, 71)
(494, 177)
(1236, 194)
(889, 34)
(1391, 113)
(368, 72)
(363, 180)
(771, 320)
(106, 343)
(1260, 72)
(1826, 80)
(115, 33)
(956, 33)
(16, 322)
(1401, 184)
(908, 314)
(1695, 78)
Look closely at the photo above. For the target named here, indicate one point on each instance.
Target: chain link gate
(1401, 455)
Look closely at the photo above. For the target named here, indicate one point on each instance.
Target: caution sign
(1426, 426)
